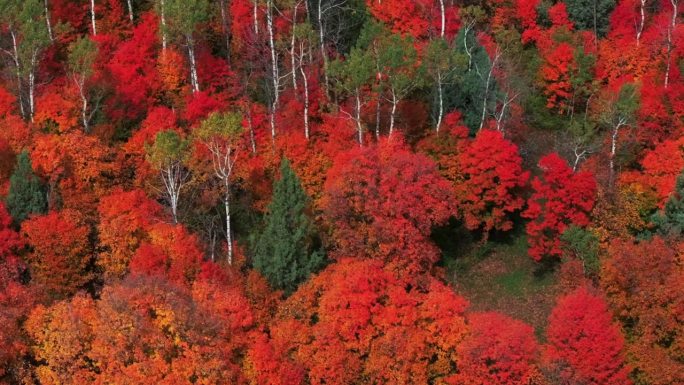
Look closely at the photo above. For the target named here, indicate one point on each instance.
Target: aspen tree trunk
(357, 112)
(670, 30)
(47, 21)
(256, 19)
(305, 81)
(395, 101)
(292, 48)
(194, 80)
(274, 67)
(92, 17)
(17, 65)
(640, 28)
(440, 93)
(226, 26)
(321, 42)
(443, 17)
(229, 236)
(162, 18)
(130, 10)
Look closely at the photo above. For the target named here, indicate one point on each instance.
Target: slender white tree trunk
(274, 67)
(292, 48)
(47, 21)
(440, 93)
(225, 24)
(255, 14)
(162, 18)
(321, 42)
(17, 66)
(130, 10)
(229, 235)
(395, 101)
(194, 80)
(92, 17)
(32, 84)
(640, 28)
(305, 83)
(357, 113)
(443, 17)
(670, 30)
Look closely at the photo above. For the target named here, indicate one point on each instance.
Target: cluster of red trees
(140, 139)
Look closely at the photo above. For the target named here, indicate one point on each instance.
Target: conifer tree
(27, 193)
(671, 220)
(288, 249)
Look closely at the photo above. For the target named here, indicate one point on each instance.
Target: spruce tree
(671, 220)
(288, 250)
(27, 193)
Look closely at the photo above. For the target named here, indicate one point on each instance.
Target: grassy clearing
(500, 276)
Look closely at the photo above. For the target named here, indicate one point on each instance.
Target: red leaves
(556, 75)
(171, 252)
(491, 176)
(497, 351)
(585, 346)
(561, 198)
(132, 67)
(382, 202)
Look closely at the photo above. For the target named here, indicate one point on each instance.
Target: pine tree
(27, 193)
(671, 220)
(288, 249)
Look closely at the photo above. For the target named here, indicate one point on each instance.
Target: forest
(308, 192)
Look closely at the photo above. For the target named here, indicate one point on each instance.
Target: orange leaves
(141, 331)
(125, 219)
(60, 253)
(371, 326)
(643, 282)
(171, 252)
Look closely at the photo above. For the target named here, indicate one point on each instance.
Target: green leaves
(288, 250)
(27, 194)
(168, 148)
(82, 55)
(220, 125)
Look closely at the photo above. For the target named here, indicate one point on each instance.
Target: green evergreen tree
(475, 84)
(288, 250)
(27, 194)
(591, 15)
(671, 220)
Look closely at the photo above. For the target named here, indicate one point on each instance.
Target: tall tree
(585, 345)
(561, 198)
(167, 156)
(288, 250)
(24, 21)
(27, 194)
(184, 18)
(82, 55)
(220, 134)
(591, 14)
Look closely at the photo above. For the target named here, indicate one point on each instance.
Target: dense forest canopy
(313, 192)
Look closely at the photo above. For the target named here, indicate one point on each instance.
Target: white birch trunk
(92, 17)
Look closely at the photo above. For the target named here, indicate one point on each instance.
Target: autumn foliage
(561, 198)
(471, 193)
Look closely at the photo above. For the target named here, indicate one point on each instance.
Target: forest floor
(500, 276)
